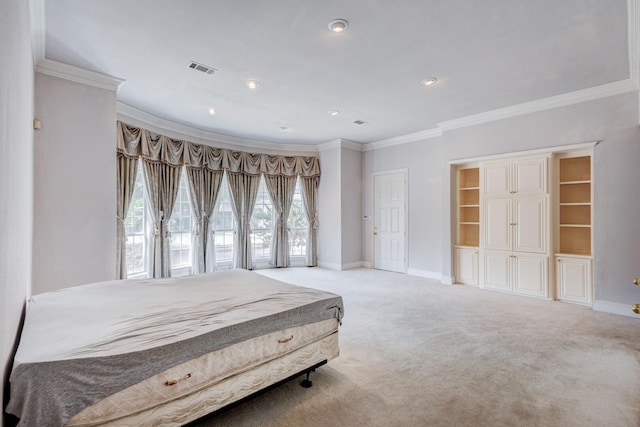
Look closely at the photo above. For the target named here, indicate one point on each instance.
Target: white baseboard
(345, 266)
(614, 308)
(424, 273)
(446, 280)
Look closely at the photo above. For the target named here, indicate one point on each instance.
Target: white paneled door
(389, 226)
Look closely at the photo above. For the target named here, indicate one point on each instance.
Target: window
(135, 228)
(262, 222)
(180, 227)
(298, 224)
(223, 222)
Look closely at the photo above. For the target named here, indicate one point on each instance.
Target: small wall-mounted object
(36, 124)
(366, 218)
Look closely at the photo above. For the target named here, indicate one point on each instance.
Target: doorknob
(636, 308)
(636, 281)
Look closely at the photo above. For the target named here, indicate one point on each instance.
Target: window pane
(180, 227)
(135, 224)
(298, 224)
(262, 223)
(223, 222)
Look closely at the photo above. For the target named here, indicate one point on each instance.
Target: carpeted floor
(415, 352)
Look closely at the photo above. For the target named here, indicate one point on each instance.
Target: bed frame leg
(307, 383)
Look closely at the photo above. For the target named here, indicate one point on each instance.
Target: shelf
(575, 169)
(576, 225)
(469, 206)
(469, 214)
(469, 222)
(469, 178)
(575, 240)
(575, 193)
(575, 204)
(470, 198)
(469, 235)
(575, 214)
(574, 182)
(469, 188)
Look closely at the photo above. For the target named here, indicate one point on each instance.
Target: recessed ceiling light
(212, 111)
(252, 84)
(284, 129)
(334, 112)
(338, 25)
(428, 81)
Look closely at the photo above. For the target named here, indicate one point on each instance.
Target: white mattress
(83, 344)
(202, 385)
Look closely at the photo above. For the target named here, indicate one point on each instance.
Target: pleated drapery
(204, 186)
(205, 165)
(127, 170)
(310, 192)
(281, 189)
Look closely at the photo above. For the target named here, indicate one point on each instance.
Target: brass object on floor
(636, 281)
(636, 308)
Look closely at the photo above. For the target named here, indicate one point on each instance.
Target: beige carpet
(415, 352)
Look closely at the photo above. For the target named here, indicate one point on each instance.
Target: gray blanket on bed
(81, 344)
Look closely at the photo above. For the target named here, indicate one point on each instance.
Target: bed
(165, 351)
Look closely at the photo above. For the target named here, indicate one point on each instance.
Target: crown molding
(340, 143)
(128, 114)
(78, 75)
(37, 18)
(590, 94)
(403, 139)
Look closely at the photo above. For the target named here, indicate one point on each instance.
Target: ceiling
(486, 55)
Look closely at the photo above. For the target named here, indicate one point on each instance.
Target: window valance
(135, 142)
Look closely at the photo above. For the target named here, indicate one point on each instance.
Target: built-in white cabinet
(468, 225)
(573, 252)
(516, 224)
(515, 177)
(574, 279)
(524, 225)
(520, 273)
(466, 262)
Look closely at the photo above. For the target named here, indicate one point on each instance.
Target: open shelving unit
(575, 206)
(469, 207)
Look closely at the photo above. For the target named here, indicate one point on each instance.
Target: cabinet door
(497, 271)
(496, 179)
(530, 176)
(574, 280)
(497, 224)
(530, 224)
(530, 274)
(466, 266)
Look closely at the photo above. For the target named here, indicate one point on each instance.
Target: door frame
(405, 172)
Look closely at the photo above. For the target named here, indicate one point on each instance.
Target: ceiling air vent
(361, 122)
(199, 67)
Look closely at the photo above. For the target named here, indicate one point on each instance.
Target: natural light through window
(135, 229)
(262, 222)
(180, 227)
(298, 224)
(223, 222)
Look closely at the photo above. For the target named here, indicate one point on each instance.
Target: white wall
(340, 208)
(351, 202)
(613, 120)
(329, 208)
(423, 159)
(75, 184)
(16, 171)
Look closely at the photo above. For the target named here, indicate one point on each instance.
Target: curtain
(235, 190)
(281, 189)
(163, 158)
(244, 191)
(251, 183)
(162, 181)
(309, 191)
(204, 186)
(127, 170)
